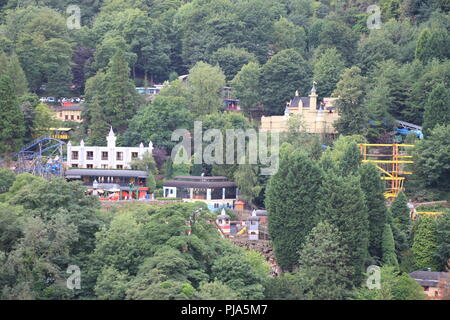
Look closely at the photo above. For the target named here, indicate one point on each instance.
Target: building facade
(69, 113)
(112, 184)
(315, 117)
(217, 192)
(109, 157)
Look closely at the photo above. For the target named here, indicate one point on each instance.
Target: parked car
(51, 99)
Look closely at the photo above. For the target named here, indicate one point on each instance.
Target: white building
(109, 157)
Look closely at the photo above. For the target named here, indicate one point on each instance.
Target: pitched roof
(427, 278)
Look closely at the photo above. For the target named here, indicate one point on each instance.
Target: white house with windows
(109, 157)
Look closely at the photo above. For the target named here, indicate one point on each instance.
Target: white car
(51, 99)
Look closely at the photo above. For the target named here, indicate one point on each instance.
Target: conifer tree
(388, 244)
(400, 213)
(325, 267)
(342, 203)
(350, 161)
(121, 97)
(12, 127)
(353, 115)
(425, 245)
(17, 75)
(373, 189)
(292, 195)
(437, 110)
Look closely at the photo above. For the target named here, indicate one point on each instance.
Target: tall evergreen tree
(443, 240)
(388, 246)
(373, 189)
(400, 213)
(11, 118)
(325, 267)
(437, 110)
(425, 244)
(342, 203)
(121, 96)
(17, 75)
(353, 115)
(350, 160)
(292, 195)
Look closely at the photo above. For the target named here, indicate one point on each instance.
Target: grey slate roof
(427, 278)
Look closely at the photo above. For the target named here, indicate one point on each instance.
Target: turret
(111, 138)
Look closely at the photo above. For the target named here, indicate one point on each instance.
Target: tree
(350, 161)
(111, 284)
(400, 213)
(246, 86)
(342, 203)
(15, 71)
(337, 34)
(325, 265)
(247, 181)
(433, 160)
(11, 118)
(395, 285)
(424, 244)
(443, 239)
(327, 70)
(353, 114)
(206, 83)
(156, 122)
(121, 96)
(437, 110)
(287, 35)
(56, 64)
(291, 200)
(373, 189)
(374, 49)
(388, 247)
(7, 178)
(215, 290)
(431, 44)
(236, 272)
(281, 76)
(284, 287)
(43, 120)
(231, 59)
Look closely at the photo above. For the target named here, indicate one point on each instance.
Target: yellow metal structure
(390, 159)
(431, 213)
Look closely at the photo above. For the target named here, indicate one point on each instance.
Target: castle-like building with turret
(109, 157)
(315, 117)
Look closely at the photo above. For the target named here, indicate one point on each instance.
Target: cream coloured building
(69, 113)
(316, 118)
(109, 157)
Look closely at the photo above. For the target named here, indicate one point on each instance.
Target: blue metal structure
(42, 157)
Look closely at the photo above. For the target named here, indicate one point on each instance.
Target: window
(90, 155)
(104, 166)
(104, 155)
(119, 166)
(67, 117)
(74, 165)
(71, 117)
(74, 155)
(134, 155)
(60, 114)
(78, 117)
(119, 156)
(89, 166)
